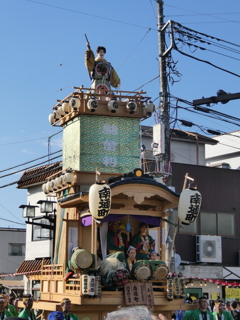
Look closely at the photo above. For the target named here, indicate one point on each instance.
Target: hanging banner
(232, 293)
(214, 296)
(138, 293)
(150, 297)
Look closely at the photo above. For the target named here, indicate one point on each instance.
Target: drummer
(117, 240)
(69, 270)
(143, 242)
(131, 259)
(153, 255)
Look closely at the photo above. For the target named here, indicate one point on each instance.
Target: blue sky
(42, 58)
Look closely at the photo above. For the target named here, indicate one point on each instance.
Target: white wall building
(226, 154)
(12, 250)
(39, 241)
(186, 147)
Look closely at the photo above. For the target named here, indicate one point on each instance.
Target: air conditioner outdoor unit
(209, 249)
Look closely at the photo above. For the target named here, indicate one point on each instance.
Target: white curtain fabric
(103, 238)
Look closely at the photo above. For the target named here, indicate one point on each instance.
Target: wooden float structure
(134, 194)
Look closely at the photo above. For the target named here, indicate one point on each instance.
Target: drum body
(142, 270)
(159, 269)
(82, 259)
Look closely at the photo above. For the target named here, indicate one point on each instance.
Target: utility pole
(164, 97)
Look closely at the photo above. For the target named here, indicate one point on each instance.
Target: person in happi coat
(102, 74)
(10, 307)
(221, 314)
(143, 242)
(202, 313)
(4, 313)
(66, 306)
(153, 255)
(70, 273)
(117, 240)
(27, 312)
(131, 258)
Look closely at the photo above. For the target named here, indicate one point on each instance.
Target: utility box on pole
(158, 144)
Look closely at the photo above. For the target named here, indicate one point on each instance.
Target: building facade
(12, 250)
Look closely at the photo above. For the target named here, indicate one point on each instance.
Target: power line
(134, 48)
(209, 112)
(205, 35)
(10, 212)
(6, 144)
(225, 20)
(146, 83)
(23, 224)
(202, 48)
(201, 14)
(88, 14)
(45, 171)
(24, 169)
(208, 41)
(207, 62)
(19, 165)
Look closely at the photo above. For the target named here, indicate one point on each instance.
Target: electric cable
(225, 20)
(23, 224)
(208, 41)
(202, 48)
(10, 212)
(19, 165)
(205, 35)
(134, 49)
(45, 171)
(87, 14)
(147, 83)
(24, 169)
(207, 62)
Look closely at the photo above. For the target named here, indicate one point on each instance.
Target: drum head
(83, 259)
(143, 272)
(161, 272)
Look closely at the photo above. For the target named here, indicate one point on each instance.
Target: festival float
(111, 217)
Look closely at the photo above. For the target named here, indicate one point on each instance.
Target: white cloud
(26, 151)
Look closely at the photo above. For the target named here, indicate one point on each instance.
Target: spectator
(66, 309)
(27, 312)
(228, 308)
(201, 313)
(235, 314)
(56, 315)
(4, 313)
(220, 313)
(133, 313)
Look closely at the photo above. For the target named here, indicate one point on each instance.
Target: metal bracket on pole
(172, 45)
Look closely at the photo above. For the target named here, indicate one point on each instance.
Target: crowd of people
(217, 311)
(11, 312)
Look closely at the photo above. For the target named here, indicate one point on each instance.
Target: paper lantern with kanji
(99, 200)
(189, 205)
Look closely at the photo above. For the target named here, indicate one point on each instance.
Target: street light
(46, 206)
(28, 211)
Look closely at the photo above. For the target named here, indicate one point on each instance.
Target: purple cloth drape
(151, 221)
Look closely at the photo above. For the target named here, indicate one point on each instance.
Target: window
(39, 233)
(226, 224)
(16, 249)
(191, 228)
(208, 223)
(221, 224)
